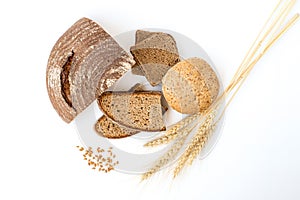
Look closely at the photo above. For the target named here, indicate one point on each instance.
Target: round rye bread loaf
(190, 86)
(83, 63)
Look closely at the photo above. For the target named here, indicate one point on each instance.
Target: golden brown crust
(190, 86)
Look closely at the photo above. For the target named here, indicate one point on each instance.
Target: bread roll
(190, 86)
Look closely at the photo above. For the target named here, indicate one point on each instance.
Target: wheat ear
(252, 57)
(176, 130)
(204, 127)
(168, 156)
(241, 75)
(199, 146)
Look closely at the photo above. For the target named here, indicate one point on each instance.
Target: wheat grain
(96, 159)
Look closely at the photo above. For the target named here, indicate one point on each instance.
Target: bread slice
(137, 70)
(140, 87)
(110, 129)
(137, 87)
(140, 35)
(156, 53)
(85, 61)
(140, 110)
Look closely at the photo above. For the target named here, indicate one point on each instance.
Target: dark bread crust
(82, 58)
(64, 79)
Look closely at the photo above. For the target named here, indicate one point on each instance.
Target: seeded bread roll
(84, 61)
(139, 110)
(190, 86)
(156, 53)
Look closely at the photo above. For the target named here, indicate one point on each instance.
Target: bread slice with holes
(156, 53)
(140, 110)
(110, 129)
(140, 35)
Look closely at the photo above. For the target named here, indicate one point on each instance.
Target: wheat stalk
(169, 155)
(199, 146)
(200, 139)
(173, 132)
(269, 34)
(202, 130)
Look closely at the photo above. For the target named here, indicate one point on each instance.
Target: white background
(257, 156)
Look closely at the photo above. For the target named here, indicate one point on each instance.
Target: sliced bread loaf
(140, 110)
(84, 61)
(156, 53)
